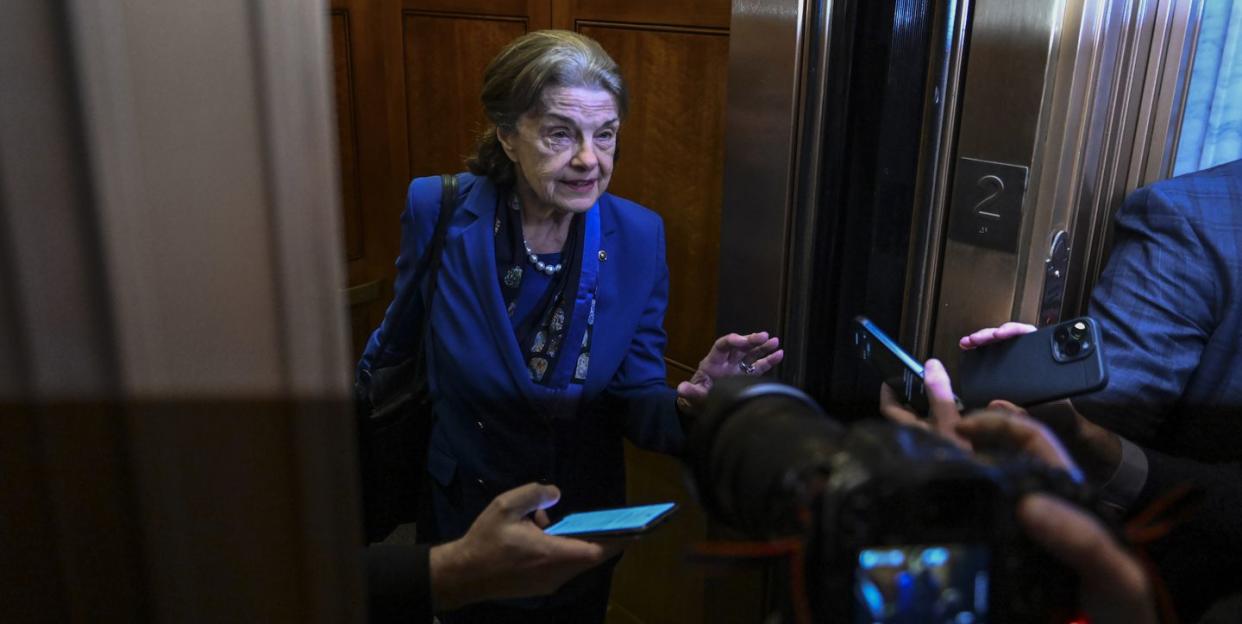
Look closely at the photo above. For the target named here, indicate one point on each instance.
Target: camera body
(899, 525)
(911, 529)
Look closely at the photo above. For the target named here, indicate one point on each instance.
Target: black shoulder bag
(394, 411)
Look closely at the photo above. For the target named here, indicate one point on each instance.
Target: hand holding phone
(505, 554)
(613, 522)
(899, 370)
(1054, 362)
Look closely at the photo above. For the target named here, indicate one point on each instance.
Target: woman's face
(564, 153)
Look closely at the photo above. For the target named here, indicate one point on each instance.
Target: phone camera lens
(1078, 330)
(1073, 348)
(1061, 335)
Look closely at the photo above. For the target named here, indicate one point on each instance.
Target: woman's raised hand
(734, 354)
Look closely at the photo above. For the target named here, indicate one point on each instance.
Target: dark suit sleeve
(1201, 559)
(639, 391)
(398, 583)
(1155, 302)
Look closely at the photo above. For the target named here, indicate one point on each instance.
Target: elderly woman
(546, 342)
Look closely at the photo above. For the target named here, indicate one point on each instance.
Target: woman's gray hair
(516, 79)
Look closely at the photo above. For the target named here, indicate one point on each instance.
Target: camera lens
(752, 436)
(1061, 335)
(1073, 348)
(1078, 330)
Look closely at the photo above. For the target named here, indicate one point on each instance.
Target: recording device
(899, 370)
(1055, 362)
(613, 522)
(898, 525)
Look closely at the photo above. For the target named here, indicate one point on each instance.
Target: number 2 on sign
(996, 186)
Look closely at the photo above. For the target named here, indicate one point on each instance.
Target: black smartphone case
(1025, 370)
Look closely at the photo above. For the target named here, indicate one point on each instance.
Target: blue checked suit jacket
(1169, 303)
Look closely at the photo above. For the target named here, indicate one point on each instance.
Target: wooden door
(423, 120)
(372, 186)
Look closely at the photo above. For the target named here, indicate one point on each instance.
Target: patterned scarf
(542, 334)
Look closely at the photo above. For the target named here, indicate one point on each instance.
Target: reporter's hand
(1113, 587)
(1096, 449)
(942, 415)
(1013, 431)
(733, 354)
(990, 335)
(506, 554)
(1060, 416)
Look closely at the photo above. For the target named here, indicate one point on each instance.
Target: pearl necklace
(540, 265)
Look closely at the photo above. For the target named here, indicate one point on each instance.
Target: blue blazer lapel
(479, 249)
(605, 350)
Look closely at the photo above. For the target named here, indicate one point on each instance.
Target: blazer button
(603, 255)
(479, 423)
(480, 482)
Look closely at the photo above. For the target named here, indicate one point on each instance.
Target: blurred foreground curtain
(1212, 124)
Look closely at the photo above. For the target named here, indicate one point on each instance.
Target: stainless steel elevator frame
(1085, 94)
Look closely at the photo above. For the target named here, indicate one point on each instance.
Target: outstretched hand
(506, 554)
(734, 354)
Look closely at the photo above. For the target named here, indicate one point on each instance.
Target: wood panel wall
(421, 118)
(372, 191)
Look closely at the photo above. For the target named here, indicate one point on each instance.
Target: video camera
(898, 525)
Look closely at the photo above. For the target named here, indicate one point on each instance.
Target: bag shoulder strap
(430, 264)
(448, 201)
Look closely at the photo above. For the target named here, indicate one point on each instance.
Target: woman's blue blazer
(491, 433)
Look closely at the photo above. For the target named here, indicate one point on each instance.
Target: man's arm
(1156, 305)
(505, 554)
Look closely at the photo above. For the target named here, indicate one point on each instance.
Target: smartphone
(613, 522)
(898, 369)
(1055, 362)
(922, 583)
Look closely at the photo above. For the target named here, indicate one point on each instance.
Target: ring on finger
(746, 368)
